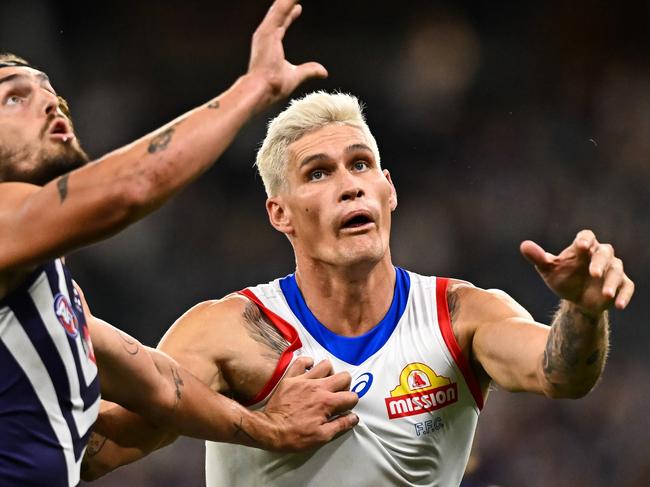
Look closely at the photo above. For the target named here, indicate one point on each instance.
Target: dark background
(499, 121)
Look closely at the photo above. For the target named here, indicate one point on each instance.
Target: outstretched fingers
(605, 267)
(281, 14)
(536, 255)
(602, 257)
(625, 293)
(309, 70)
(616, 285)
(612, 277)
(293, 15)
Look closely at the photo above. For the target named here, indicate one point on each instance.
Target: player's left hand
(587, 273)
(267, 59)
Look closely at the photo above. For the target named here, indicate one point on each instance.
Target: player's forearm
(120, 437)
(103, 455)
(152, 384)
(192, 409)
(103, 197)
(575, 352)
(159, 164)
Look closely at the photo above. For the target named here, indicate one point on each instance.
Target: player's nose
(50, 102)
(350, 187)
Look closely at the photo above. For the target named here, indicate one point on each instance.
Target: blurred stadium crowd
(499, 122)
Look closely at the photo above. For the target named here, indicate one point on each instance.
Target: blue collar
(353, 350)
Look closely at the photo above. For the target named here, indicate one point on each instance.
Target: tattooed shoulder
(453, 303)
(262, 331)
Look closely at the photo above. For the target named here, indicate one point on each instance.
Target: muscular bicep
(511, 351)
(196, 341)
(506, 341)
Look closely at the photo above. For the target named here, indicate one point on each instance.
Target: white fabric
(425, 448)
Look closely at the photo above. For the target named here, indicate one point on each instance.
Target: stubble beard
(40, 166)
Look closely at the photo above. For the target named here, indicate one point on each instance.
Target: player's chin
(58, 161)
(368, 251)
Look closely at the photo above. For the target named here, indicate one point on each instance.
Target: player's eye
(13, 100)
(316, 175)
(360, 165)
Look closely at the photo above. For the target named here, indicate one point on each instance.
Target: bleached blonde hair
(303, 115)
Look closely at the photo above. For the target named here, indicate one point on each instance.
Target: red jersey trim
(289, 333)
(450, 340)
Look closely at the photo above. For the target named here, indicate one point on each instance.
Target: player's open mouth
(357, 220)
(60, 129)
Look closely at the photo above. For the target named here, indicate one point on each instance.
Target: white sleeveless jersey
(418, 398)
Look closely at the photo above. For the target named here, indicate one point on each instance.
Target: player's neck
(348, 301)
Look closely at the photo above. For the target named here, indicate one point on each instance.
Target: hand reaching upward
(587, 273)
(267, 53)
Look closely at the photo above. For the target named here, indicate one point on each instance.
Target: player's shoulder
(477, 301)
(205, 327)
(215, 311)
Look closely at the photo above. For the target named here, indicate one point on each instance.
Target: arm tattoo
(561, 346)
(264, 332)
(214, 105)
(178, 383)
(452, 304)
(130, 346)
(62, 186)
(161, 140)
(565, 352)
(95, 444)
(239, 429)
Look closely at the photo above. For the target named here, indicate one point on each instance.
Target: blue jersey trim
(353, 350)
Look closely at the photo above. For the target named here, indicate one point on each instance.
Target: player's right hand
(267, 59)
(310, 406)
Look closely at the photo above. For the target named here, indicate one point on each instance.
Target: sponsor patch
(66, 316)
(420, 390)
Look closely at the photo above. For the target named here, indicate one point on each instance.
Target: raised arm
(565, 359)
(99, 199)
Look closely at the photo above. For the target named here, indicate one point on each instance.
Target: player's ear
(393, 192)
(279, 216)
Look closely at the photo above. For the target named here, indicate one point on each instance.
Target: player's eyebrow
(11, 77)
(313, 157)
(45, 80)
(356, 147)
(321, 156)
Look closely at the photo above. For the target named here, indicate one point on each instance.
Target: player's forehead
(330, 141)
(16, 74)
